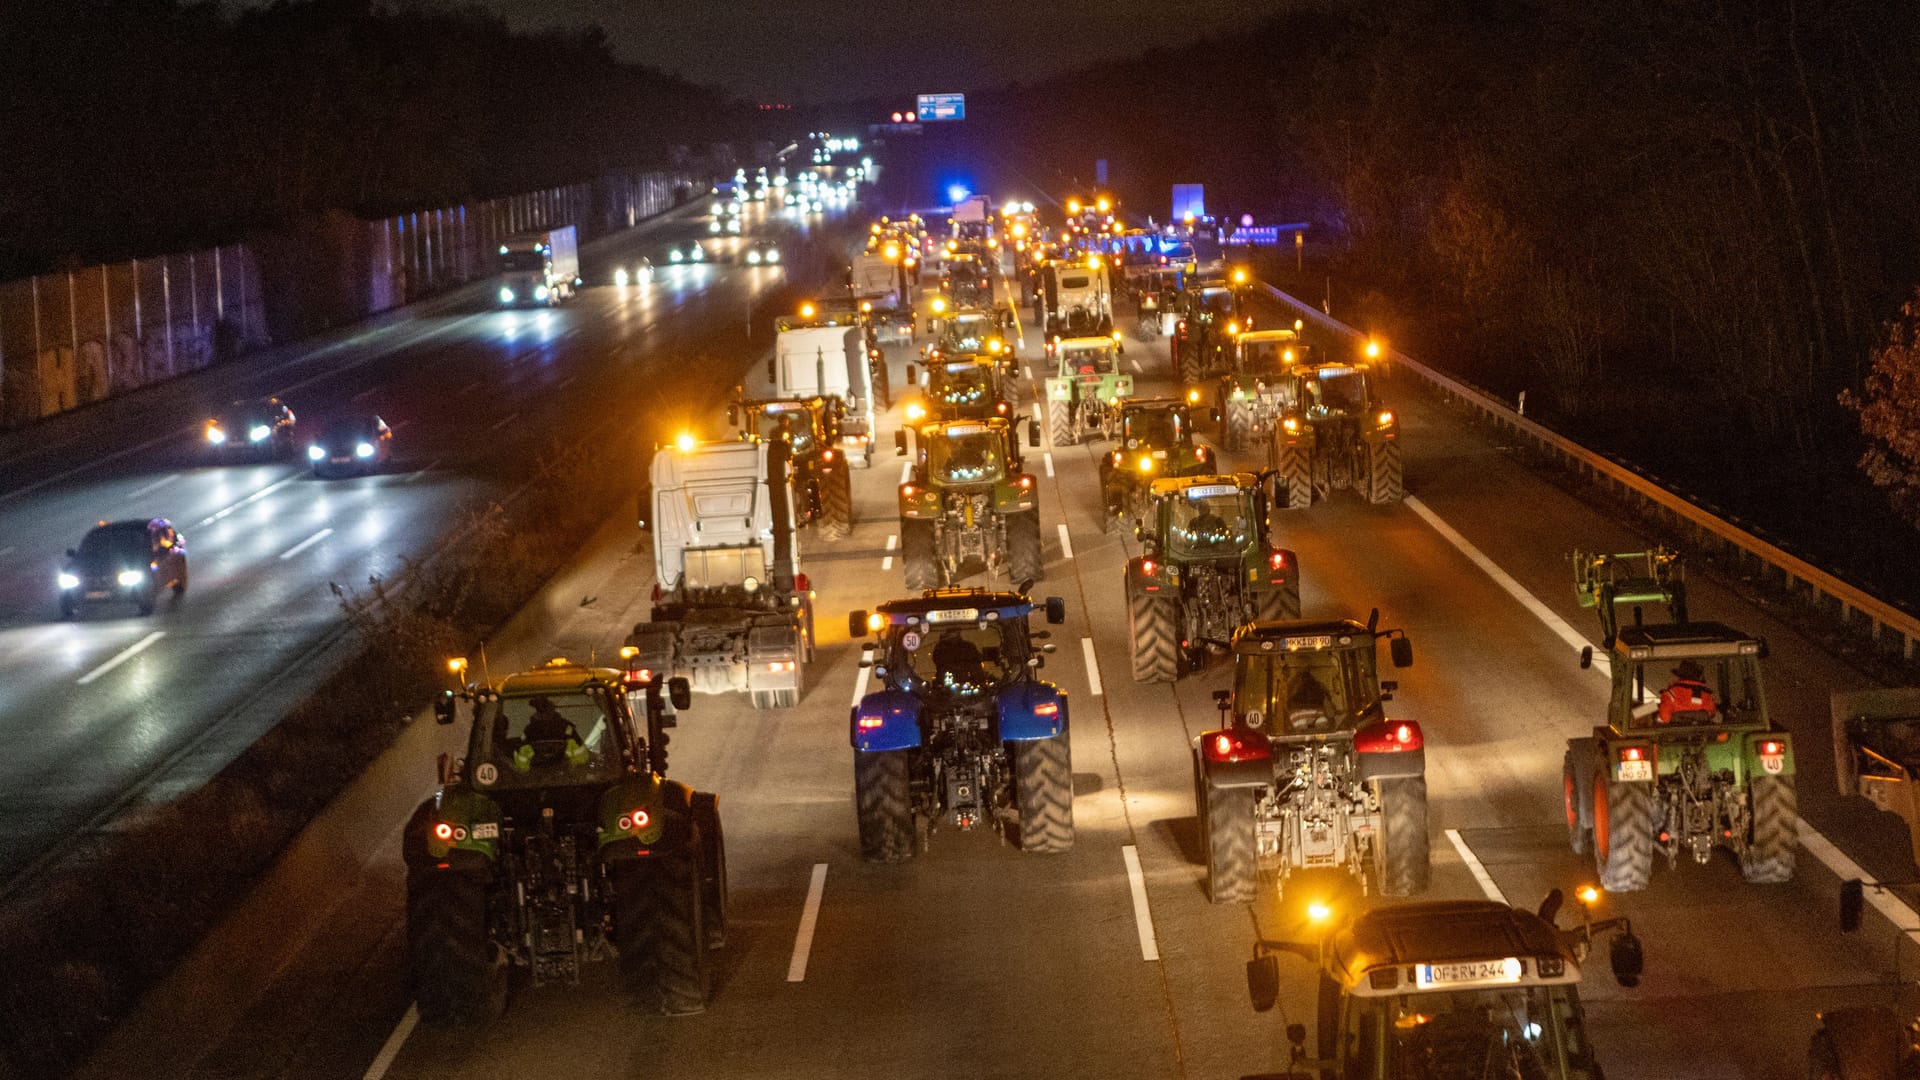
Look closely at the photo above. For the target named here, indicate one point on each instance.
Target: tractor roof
(1187, 485)
(1659, 641)
(977, 602)
(557, 676)
(1440, 933)
(1079, 343)
(1269, 335)
(1289, 635)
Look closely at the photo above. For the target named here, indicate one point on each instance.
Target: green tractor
(1154, 441)
(968, 502)
(1085, 392)
(822, 471)
(965, 388)
(1695, 766)
(1205, 570)
(557, 840)
(1334, 434)
(1257, 390)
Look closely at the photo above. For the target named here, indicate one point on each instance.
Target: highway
(113, 709)
(975, 960)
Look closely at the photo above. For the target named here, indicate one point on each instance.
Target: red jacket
(1685, 696)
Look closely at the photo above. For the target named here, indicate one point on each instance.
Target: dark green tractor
(968, 504)
(1153, 441)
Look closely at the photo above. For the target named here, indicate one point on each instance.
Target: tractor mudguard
(1394, 766)
(1235, 770)
(1267, 578)
(423, 851)
(1164, 578)
(643, 816)
(1761, 763)
(1580, 753)
(886, 720)
(473, 826)
(1032, 710)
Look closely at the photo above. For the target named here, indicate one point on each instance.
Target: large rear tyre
(452, 966)
(1579, 828)
(1236, 425)
(1622, 834)
(673, 939)
(713, 868)
(1024, 562)
(1295, 478)
(1060, 424)
(1385, 482)
(1154, 626)
(1232, 863)
(1406, 862)
(1281, 603)
(917, 555)
(1771, 847)
(836, 504)
(1043, 793)
(881, 801)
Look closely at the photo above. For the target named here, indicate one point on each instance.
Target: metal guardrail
(1889, 629)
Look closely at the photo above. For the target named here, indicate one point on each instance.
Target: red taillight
(635, 821)
(1278, 560)
(1047, 708)
(801, 582)
(443, 830)
(1632, 753)
(1026, 482)
(656, 592)
(1235, 745)
(869, 721)
(907, 490)
(1000, 407)
(1772, 749)
(640, 675)
(826, 455)
(1392, 737)
(1148, 566)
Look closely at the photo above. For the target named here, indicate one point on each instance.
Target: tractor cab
(1310, 678)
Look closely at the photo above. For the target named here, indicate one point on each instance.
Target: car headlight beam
(129, 578)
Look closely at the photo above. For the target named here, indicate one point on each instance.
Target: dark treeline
(134, 127)
(1681, 226)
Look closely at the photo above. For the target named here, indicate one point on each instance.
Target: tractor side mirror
(856, 624)
(680, 692)
(900, 443)
(1263, 982)
(1853, 900)
(1627, 959)
(1033, 433)
(1388, 688)
(1056, 610)
(1223, 699)
(1586, 657)
(443, 707)
(643, 509)
(1401, 649)
(1550, 905)
(443, 768)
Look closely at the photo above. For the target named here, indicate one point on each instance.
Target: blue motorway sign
(942, 107)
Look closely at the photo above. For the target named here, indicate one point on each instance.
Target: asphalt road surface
(975, 960)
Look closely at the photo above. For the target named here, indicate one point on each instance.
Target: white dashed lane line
(123, 656)
(1142, 916)
(893, 541)
(307, 543)
(153, 487)
(809, 916)
(1046, 458)
(249, 500)
(906, 470)
(1066, 544)
(1474, 865)
(1093, 666)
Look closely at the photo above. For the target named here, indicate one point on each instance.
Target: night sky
(769, 50)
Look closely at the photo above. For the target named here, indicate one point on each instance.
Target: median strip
(809, 917)
(123, 656)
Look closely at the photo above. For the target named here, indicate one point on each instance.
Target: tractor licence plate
(1634, 770)
(1472, 972)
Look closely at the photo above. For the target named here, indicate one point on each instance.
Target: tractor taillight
(1392, 737)
(443, 830)
(1278, 560)
(1026, 482)
(1235, 745)
(1770, 748)
(1632, 753)
(640, 675)
(1148, 566)
(1047, 708)
(635, 821)
(779, 666)
(870, 721)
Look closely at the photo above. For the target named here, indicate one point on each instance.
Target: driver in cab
(548, 739)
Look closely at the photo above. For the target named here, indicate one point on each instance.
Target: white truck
(539, 267)
(731, 610)
(1075, 300)
(879, 289)
(820, 355)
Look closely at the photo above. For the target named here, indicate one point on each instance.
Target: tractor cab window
(1267, 357)
(1306, 691)
(793, 425)
(1210, 526)
(967, 333)
(560, 738)
(1217, 300)
(968, 458)
(1091, 361)
(1733, 692)
(1336, 391)
(1154, 427)
(1463, 1035)
(965, 658)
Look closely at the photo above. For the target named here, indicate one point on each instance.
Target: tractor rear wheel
(713, 867)
(1579, 827)
(1043, 792)
(1236, 424)
(1770, 854)
(1385, 483)
(1024, 562)
(454, 971)
(672, 939)
(836, 503)
(1295, 477)
(1622, 834)
(882, 804)
(1232, 866)
(1406, 861)
(1282, 603)
(1153, 623)
(917, 555)
(1060, 424)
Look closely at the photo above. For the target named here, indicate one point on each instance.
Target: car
(357, 444)
(641, 273)
(761, 253)
(692, 253)
(124, 562)
(260, 428)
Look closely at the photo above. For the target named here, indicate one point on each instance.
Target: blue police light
(957, 193)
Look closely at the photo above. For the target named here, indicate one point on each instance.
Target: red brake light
(1026, 482)
(1000, 407)
(907, 490)
(1278, 560)
(636, 820)
(1235, 745)
(801, 582)
(869, 721)
(1392, 737)
(443, 830)
(826, 455)
(1148, 566)
(641, 675)
(1047, 708)
(1771, 748)
(1632, 753)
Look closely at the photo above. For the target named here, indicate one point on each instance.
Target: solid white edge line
(809, 917)
(1897, 911)
(307, 543)
(418, 473)
(390, 1050)
(1066, 544)
(123, 656)
(1478, 869)
(1142, 917)
(1047, 457)
(153, 487)
(1093, 666)
(1513, 588)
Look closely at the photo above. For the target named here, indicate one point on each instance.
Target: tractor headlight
(1385, 419)
(129, 578)
(1292, 424)
(751, 584)
(68, 581)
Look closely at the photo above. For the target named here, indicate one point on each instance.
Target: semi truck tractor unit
(818, 354)
(539, 267)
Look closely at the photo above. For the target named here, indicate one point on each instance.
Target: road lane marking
(1066, 545)
(418, 473)
(155, 486)
(1142, 917)
(123, 656)
(1093, 665)
(1514, 589)
(307, 543)
(390, 1050)
(1885, 902)
(886, 563)
(1474, 865)
(469, 388)
(253, 498)
(504, 421)
(1135, 361)
(809, 916)
(1046, 456)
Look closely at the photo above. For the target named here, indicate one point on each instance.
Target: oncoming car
(124, 562)
(352, 445)
(262, 428)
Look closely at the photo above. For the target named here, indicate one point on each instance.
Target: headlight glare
(130, 578)
(69, 581)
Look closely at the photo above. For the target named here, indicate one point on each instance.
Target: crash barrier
(76, 337)
(1886, 628)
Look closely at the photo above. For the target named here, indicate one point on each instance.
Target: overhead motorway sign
(942, 106)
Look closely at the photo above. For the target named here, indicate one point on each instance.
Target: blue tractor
(964, 732)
